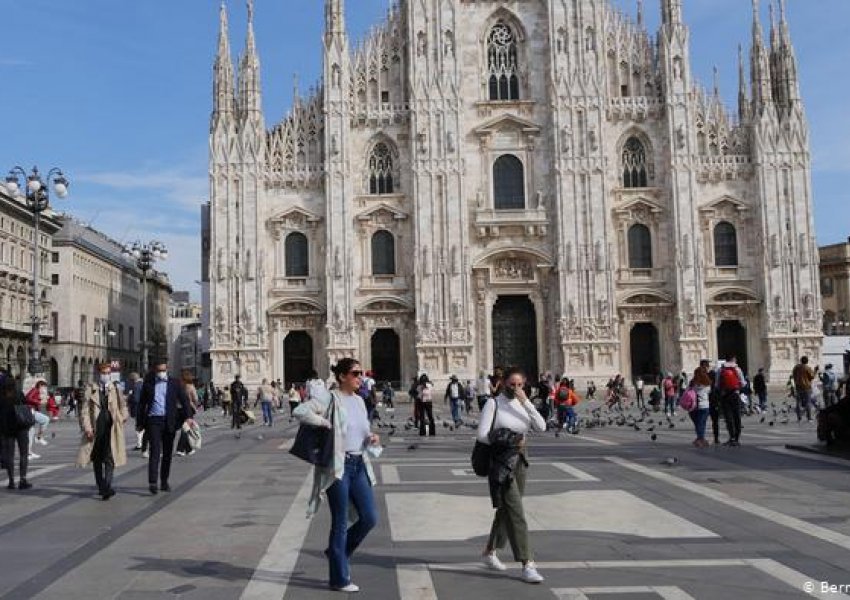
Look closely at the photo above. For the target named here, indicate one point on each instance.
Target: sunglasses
(356, 373)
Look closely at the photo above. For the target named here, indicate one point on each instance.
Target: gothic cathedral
(535, 183)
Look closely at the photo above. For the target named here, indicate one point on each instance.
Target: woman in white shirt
(504, 423)
(348, 481)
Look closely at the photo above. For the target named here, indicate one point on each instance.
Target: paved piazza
(612, 515)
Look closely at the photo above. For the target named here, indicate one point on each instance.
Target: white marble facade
(475, 153)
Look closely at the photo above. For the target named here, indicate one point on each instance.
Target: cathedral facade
(537, 183)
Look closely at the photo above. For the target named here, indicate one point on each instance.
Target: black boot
(23, 484)
(11, 485)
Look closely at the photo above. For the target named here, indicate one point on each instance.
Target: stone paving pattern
(612, 513)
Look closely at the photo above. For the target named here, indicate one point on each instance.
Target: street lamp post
(145, 256)
(37, 196)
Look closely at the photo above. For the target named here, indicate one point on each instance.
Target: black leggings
(8, 451)
(427, 413)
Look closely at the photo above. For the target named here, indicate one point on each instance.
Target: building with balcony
(97, 299)
(16, 272)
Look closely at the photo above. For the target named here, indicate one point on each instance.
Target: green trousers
(509, 524)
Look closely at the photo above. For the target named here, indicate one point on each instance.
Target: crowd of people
(163, 409)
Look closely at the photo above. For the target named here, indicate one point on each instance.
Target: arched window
(640, 247)
(725, 245)
(381, 170)
(502, 66)
(297, 257)
(634, 164)
(508, 183)
(383, 253)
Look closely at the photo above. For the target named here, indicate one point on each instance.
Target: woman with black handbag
(13, 431)
(504, 423)
(348, 480)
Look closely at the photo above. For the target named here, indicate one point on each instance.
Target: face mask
(42, 394)
(105, 378)
(162, 375)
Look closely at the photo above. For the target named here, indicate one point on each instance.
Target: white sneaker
(180, 453)
(145, 454)
(33, 455)
(491, 561)
(530, 574)
(41, 441)
(350, 588)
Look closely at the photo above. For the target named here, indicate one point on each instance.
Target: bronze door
(645, 352)
(386, 357)
(732, 341)
(515, 334)
(297, 357)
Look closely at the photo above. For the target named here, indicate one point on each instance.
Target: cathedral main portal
(515, 334)
(297, 357)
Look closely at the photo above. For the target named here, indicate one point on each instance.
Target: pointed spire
(223, 80)
(787, 58)
(640, 14)
(774, 33)
(759, 64)
(296, 100)
(743, 111)
(671, 12)
(716, 82)
(334, 19)
(249, 71)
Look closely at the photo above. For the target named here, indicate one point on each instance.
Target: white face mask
(42, 393)
(105, 378)
(162, 375)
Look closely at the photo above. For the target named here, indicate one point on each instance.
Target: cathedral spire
(787, 58)
(640, 14)
(334, 19)
(223, 81)
(671, 12)
(250, 99)
(743, 107)
(759, 64)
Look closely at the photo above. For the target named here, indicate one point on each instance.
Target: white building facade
(97, 299)
(486, 183)
(16, 277)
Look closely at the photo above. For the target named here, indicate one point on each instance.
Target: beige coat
(89, 410)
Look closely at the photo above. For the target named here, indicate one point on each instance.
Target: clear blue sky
(118, 95)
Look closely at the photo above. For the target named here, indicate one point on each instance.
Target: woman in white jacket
(504, 423)
(349, 479)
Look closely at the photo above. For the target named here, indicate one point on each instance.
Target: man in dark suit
(163, 407)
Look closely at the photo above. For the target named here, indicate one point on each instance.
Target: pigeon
(412, 446)
(762, 419)
(653, 437)
(260, 437)
(771, 423)
(52, 435)
(670, 461)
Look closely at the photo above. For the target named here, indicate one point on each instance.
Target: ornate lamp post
(145, 256)
(37, 196)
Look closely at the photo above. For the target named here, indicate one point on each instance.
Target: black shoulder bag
(315, 444)
(481, 453)
(24, 419)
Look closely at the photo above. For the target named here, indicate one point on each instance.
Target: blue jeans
(571, 418)
(455, 402)
(699, 416)
(804, 402)
(267, 412)
(354, 487)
